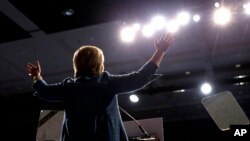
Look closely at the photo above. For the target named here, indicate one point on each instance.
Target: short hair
(88, 61)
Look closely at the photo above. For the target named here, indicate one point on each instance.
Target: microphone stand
(140, 126)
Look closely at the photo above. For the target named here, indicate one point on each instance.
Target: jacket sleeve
(48, 92)
(134, 80)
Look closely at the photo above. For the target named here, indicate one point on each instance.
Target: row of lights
(221, 16)
(206, 88)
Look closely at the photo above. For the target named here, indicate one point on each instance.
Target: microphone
(146, 137)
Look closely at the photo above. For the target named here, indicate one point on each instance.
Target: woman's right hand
(164, 42)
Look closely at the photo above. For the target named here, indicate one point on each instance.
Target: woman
(90, 98)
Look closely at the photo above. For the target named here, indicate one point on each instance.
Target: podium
(154, 127)
(50, 126)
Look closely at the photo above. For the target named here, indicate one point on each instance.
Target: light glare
(158, 22)
(148, 30)
(134, 98)
(136, 27)
(222, 16)
(183, 18)
(217, 4)
(247, 8)
(172, 26)
(206, 88)
(127, 34)
(196, 18)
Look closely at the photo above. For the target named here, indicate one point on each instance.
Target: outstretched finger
(170, 37)
(29, 67)
(29, 70)
(32, 65)
(171, 41)
(156, 41)
(166, 36)
(38, 65)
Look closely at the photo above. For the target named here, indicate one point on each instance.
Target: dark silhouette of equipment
(145, 137)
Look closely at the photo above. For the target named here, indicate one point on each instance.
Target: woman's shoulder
(107, 76)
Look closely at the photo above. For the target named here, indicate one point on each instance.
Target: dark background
(39, 30)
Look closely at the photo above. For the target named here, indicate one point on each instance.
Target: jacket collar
(87, 78)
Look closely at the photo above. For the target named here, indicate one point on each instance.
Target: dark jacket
(90, 104)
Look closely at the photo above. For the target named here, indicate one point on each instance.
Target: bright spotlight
(148, 30)
(183, 18)
(217, 4)
(158, 22)
(247, 8)
(172, 26)
(133, 98)
(222, 16)
(68, 12)
(127, 34)
(136, 27)
(206, 88)
(196, 18)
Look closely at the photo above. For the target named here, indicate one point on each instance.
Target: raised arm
(161, 45)
(145, 75)
(49, 92)
(34, 71)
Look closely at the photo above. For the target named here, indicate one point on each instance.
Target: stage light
(240, 83)
(158, 22)
(222, 16)
(247, 8)
(206, 88)
(136, 27)
(240, 76)
(148, 30)
(133, 98)
(187, 72)
(180, 91)
(127, 34)
(217, 4)
(172, 26)
(196, 18)
(237, 65)
(183, 18)
(68, 12)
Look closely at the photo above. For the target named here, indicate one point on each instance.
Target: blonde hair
(88, 61)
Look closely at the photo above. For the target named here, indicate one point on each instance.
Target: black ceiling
(10, 31)
(50, 16)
